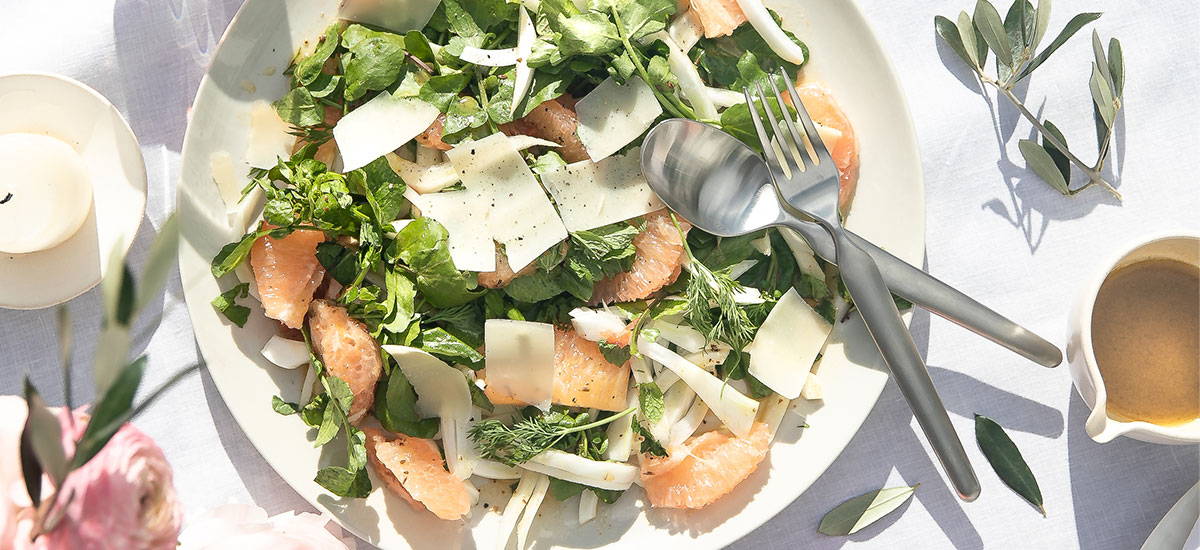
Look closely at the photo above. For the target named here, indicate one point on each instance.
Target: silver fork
(809, 187)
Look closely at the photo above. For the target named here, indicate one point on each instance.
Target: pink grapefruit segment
(413, 468)
(705, 468)
(660, 257)
(582, 376)
(348, 351)
(287, 272)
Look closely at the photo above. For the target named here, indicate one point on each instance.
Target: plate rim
(726, 534)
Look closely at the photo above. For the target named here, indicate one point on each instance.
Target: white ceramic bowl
(1183, 246)
(888, 209)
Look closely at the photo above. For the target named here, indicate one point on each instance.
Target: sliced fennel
(771, 32)
(587, 506)
(685, 337)
(620, 433)
(530, 512)
(526, 34)
(516, 505)
(593, 473)
(442, 392)
(596, 324)
(688, 424)
(490, 58)
(734, 409)
(285, 353)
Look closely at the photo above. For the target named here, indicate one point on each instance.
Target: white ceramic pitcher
(1183, 246)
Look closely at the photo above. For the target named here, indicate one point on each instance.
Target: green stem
(598, 423)
(676, 107)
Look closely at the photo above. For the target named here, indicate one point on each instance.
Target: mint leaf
(449, 348)
(283, 407)
(617, 355)
(308, 69)
(234, 253)
(395, 407)
(299, 108)
(650, 401)
(226, 303)
(375, 60)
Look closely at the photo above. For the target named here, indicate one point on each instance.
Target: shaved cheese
(442, 392)
(285, 353)
(771, 412)
(379, 126)
(427, 156)
(269, 139)
(423, 178)
(688, 424)
(620, 433)
(748, 296)
(690, 84)
(398, 16)
(812, 388)
(761, 20)
(520, 360)
(741, 268)
(613, 115)
(587, 506)
(687, 338)
(593, 194)
(516, 505)
(224, 175)
(530, 512)
(489, 58)
(521, 142)
(734, 409)
(462, 215)
(520, 216)
(616, 476)
(596, 324)
(526, 35)
(786, 345)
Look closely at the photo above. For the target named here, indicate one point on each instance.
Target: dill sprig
(519, 443)
(712, 306)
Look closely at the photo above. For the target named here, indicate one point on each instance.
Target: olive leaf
(66, 339)
(1007, 461)
(1060, 158)
(853, 515)
(1041, 23)
(972, 40)
(1102, 95)
(1042, 164)
(946, 29)
(1073, 26)
(1116, 66)
(988, 21)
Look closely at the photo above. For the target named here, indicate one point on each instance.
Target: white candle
(45, 194)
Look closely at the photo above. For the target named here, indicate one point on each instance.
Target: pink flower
(16, 514)
(121, 499)
(247, 527)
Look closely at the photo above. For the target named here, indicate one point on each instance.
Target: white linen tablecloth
(993, 230)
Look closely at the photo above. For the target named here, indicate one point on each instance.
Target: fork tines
(774, 148)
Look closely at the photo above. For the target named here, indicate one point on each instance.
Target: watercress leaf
(314, 411)
(1042, 164)
(1073, 26)
(537, 286)
(449, 348)
(1060, 159)
(442, 90)
(387, 189)
(639, 18)
(490, 14)
(1007, 461)
(851, 516)
(340, 262)
(649, 445)
(331, 424)
(234, 253)
(309, 68)
(463, 116)
(324, 85)
(283, 407)
(343, 482)
(988, 21)
(588, 33)
(423, 245)
(226, 303)
(548, 162)
(400, 304)
(480, 399)
(299, 108)
(461, 22)
(375, 62)
(562, 489)
(650, 401)
(356, 449)
(418, 45)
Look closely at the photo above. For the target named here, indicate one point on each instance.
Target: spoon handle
(938, 297)
(895, 344)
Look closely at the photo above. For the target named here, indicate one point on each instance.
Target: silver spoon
(705, 174)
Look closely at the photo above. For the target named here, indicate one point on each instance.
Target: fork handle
(874, 301)
(938, 297)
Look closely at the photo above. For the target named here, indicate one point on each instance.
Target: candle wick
(6, 198)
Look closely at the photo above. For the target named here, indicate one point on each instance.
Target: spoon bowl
(719, 184)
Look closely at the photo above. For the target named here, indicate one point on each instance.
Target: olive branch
(1014, 41)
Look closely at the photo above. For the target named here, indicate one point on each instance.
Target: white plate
(79, 116)
(889, 210)
(1179, 522)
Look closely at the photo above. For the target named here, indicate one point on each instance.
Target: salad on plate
(476, 282)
